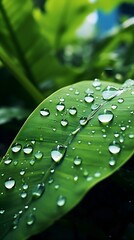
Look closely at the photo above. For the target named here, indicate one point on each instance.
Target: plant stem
(16, 44)
(21, 78)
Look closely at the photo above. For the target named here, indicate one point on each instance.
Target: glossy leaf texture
(74, 139)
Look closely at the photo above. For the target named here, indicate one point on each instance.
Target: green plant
(77, 136)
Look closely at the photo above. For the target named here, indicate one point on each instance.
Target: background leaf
(74, 139)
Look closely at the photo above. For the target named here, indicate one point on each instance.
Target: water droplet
(76, 178)
(105, 117)
(83, 121)
(30, 219)
(32, 162)
(94, 106)
(22, 172)
(114, 106)
(89, 98)
(38, 155)
(7, 160)
(114, 147)
(16, 147)
(44, 112)
(112, 162)
(77, 92)
(85, 173)
(109, 92)
(61, 201)
(58, 153)
(89, 178)
(121, 139)
(116, 134)
(128, 83)
(2, 211)
(131, 135)
(25, 186)
(77, 161)
(10, 183)
(23, 195)
(120, 100)
(64, 122)
(62, 99)
(56, 186)
(60, 106)
(97, 174)
(96, 83)
(89, 91)
(28, 148)
(33, 141)
(123, 128)
(72, 111)
(38, 191)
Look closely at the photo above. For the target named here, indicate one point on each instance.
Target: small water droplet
(60, 106)
(114, 147)
(131, 135)
(89, 91)
(89, 98)
(30, 219)
(57, 186)
(83, 121)
(123, 128)
(109, 92)
(94, 106)
(116, 134)
(89, 178)
(77, 92)
(64, 122)
(32, 162)
(61, 201)
(7, 160)
(76, 178)
(58, 153)
(77, 161)
(97, 174)
(72, 111)
(62, 99)
(112, 162)
(114, 106)
(28, 148)
(25, 186)
(22, 172)
(105, 117)
(23, 195)
(120, 100)
(16, 147)
(96, 83)
(38, 155)
(38, 191)
(44, 112)
(10, 183)
(2, 211)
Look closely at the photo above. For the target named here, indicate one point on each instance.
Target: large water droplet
(10, 183)
(39, 190)
(114, 147)
(89, 98)
(72, 111)
(61, 201)
(30, 219)
(28, 148)
(38, 155)
(105, 117)
(109, 92)
(77, 161)
(16, 147)
(83, 121)
(64, 122)
(58, 153)
(60, 106)
(44, 112)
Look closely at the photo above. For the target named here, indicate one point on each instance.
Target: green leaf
(74, 139)
(62, 19)
(21, 40)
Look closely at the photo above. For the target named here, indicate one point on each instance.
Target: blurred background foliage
(48, 44)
